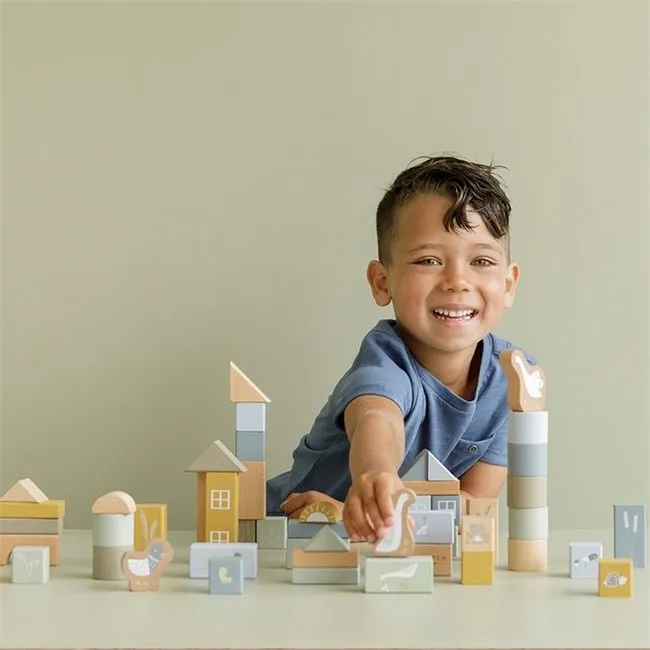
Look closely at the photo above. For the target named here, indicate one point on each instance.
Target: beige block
(433, 488)
(252, 490)
(8, 542)
(31, 526)
(441, 554)
(527, 491)
(527, 555)
(107, 562)
(247, 531)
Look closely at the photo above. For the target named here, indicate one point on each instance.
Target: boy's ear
(512, 278)
(378, 281)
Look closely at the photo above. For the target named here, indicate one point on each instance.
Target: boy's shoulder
(500, 344)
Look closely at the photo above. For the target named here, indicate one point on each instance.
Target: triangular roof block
(426, 467)
(217, 458)
(327, 539)
(25, 491)
(242, 389)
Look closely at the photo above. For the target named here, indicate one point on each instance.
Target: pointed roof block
(25, 491)
(327, 539)
(426, 467)
(217, 458)
(242, 389)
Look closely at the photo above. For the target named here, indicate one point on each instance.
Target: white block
(30, 565)
(110, 531)
(250, 416)
(528, 427)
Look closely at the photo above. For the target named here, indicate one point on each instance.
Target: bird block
(410, 575)
(144, 568)
(399, 540)
(526, 383)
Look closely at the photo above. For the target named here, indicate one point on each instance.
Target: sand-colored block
(247, 530)
(433, 488)
(325, 559)
(107, 562)
(150, 523)
(31, 526)
(526, 382)
(527, 491)
(9, 542)
(527, 555)
(615, 578)
(477, 568)
(53, 509)
(242, 389)
(252, 490)
(441, 554)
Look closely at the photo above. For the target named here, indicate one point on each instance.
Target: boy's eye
(482, 261)
(428, 261)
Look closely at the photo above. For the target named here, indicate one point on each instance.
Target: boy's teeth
(453, 314)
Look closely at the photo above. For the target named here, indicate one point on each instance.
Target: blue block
(226, 575)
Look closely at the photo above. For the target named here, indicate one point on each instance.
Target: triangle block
(327, 539)
(217, 458)
(25, 491)
(426, 467)
(242, 389)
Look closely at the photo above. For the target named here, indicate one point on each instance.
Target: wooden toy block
(150, 523)
(441, 554)
(321, 512)
(226, 575)
(107, 562)
(305, 558)
(143, 569)
(30, 565)
(457, 545)
(250, 416)
(292, 544)
(486, 507)
(630, 533)
(406, 575)
(527, 460)
(478, 534)
(527, 555)
(308, 576)
(31, 526)
(252, 490)
(433, 527)
(200, 554)
(422, 502)
(247, 530)
(24, 491)
(526, 382)
(111, 531)
(398, 541)
(297, 528)
(217, 458)
(528, 427)
(114, 503)
(433, 488)
(272, 533)
(451, 503)
(615, 578)
(527, 491)
(250, 445)
(9, 542)
(528, 523)
(46, 510)
(584, 558)
(242, 389)
(426, 467)
(477, 568)
(328, 540)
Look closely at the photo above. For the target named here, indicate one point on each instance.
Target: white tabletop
(519, 610)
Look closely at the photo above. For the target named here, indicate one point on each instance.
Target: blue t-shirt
(456, 431)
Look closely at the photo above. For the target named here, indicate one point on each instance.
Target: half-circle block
(114, 503)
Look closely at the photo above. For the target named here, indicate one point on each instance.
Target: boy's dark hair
(467, 184)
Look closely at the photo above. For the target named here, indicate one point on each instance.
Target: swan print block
(398, 541)
(526, 383)
(30, 565)
(405, 575)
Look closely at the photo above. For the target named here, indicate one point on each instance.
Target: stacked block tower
(527, 464)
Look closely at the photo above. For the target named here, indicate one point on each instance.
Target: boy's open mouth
(454, 315)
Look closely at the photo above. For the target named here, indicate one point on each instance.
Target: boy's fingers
(384, 500)
(293, 502)
(376, 520)
(353, 533)
(357, 518)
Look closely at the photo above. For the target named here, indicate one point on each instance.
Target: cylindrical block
(527, 491)
(527, 459)
(528, 427)
(113, 530)
(527, 555)
(528, 523)
(107, 562)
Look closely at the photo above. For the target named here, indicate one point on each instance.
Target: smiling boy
(430, 378)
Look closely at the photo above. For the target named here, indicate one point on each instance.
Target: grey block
(449, 503)
(528, 523)
(630, 533)
(433, 527)
(31, 526)
(250, 416)
(527, 460)
(202, 552)
(407, 575)
(584, 558)
(30, 565)
(226, 575)
(426, 467)
(296, 542)
(272, 533)
(329, 576)
(297, 528)
(250, 445)
(422, 502)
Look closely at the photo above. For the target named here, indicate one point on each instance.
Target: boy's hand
(368, 510)
(296, 501)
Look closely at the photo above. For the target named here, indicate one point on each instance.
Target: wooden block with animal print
(399, 540)
(526, 383)
(486, 507)
(150, 522)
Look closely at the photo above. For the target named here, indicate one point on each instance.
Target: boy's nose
(454, 279)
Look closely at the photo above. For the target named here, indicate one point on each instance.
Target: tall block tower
(527, 492)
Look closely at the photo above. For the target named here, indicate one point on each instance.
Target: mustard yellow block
(477, 568)
(615, 578)
(22, 510)
(150, 522)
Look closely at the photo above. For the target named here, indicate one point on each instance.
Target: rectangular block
(247, 530)
(250, 416)
(226, 575)
(630, 533)
(325, 559)
(584, 558)
(615, 578)
(527, 555)
(433, 527)
(30, 565)
(450, 504)
(297, 528)
(433, 488)
(250, 445)
(46, 510)
(478, 534)
(293, 543)
(528, 523)
(9, 542)
(422, 502)
(201, 552)
(150, 522)
(252, 490)
(527, 460)
(477, 568)
(272, 533)
(304, 576)
(406, 575)
(441, 554)
(31, 526)
(527, 491)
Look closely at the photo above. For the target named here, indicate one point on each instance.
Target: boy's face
(432, 270)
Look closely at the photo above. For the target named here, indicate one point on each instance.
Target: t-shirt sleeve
(497, 452)
(382, 367)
